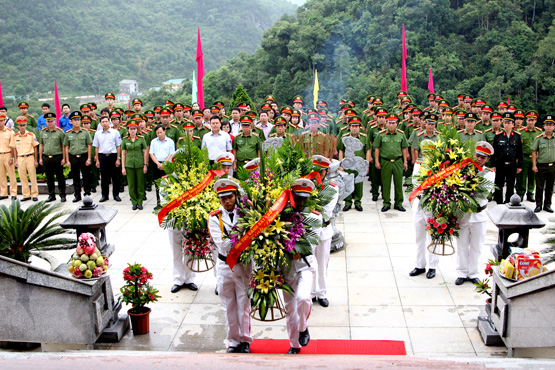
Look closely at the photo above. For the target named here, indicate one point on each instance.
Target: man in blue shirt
(41, 123)
(161, 150)
(65, 122)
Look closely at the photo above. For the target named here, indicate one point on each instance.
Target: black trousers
(157, 175)
(505, 175)
(545, 178)
(79, 167)
(53, 167)
(109, 173)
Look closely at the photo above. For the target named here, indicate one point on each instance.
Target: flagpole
(194, 88)
(404, 67)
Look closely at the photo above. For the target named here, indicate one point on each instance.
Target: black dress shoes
(176, 288)
(103, 199)
(14, 197)
(374, 198)
(234, 350)
(117, 198)
(400, 209)
(25, 199)
(149, 188)
(304, 338)
(548, 209)
(121, 189)
(431, 273)
(144, 198)
(35, 199)
(323, 302)
(63, 198)
(346, 208)
(190, 286)
(140, 207)
(3, 197)
(245, 347)
(386, 208)
(134, 207)
(293, 351)
(537, 209)
(358, 208)
(460, 281)
(531, 199)
(216, 291)
(474, 280)
(93, 190)
(417, 272)
(76, 199)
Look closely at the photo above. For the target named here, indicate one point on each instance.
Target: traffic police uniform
(544, 149)
(52, 149)
(7, 164)
(391, 146)
(79, 154)
(525, 180)
(507, 159)
(232, 285)
(25, 145)
(135, 166)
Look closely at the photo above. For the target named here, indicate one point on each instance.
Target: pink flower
(436, 225)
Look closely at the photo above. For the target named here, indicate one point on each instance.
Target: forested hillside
(89, 46)
(492, 49)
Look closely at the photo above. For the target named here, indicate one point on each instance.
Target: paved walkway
(371, 294)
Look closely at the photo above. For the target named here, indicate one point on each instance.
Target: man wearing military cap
(495, 129)
(137, 105)
(7, 163)
(468, 102)
(391, 155)
(507, 160)
(543, 164)
(134, 164)
(246, 145)
(280, 126)
(364, 153)
(31, 121)
(472, 233)
(502, 107)
(51, 156)
(525, 180)
(78, 155)
(25, 144)
(232, 285)
(189, 134)
(172, 131)
(470, 133)
(200, 129)
(485, 114)
(519, 119)
(298, 103)
(373, 132)
(110, 98)
(428, 133)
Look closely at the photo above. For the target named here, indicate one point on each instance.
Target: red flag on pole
(129, 103)
(1, 97)
(431, 82)
(200, 73)
(404, 72)
(508, 100)
(57, 104)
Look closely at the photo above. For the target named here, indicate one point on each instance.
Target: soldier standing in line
(525, 180)
(390, 149)
(247, 145)
(95, 174)
(134, 164)
(51, 156)
(470, 133)
(7, 164)
(78, 156)
(543, 164)
(31, 121)
(25, 144)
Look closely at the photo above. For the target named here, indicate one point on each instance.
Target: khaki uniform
(25, 146)
(5, 167)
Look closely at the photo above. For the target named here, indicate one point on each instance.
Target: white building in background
(173, 85)
(129, 86)
(123, 97)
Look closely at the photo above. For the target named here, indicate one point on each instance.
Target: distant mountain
(89, 46)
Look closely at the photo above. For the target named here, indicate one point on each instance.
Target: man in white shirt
(264, 124)
(216, 141)
(161, 149)
(235, 121)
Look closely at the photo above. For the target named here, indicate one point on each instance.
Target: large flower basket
(442, 248)
(275, 312)
(140, 322)
(198, 249)
(202, 264)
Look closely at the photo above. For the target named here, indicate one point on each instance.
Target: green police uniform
(32, 123)
(148, 135)
(489, 134)
(480, 126)
(545, 162)
(78, 143)
(122, 133)
(52, 156)
(527, 175)
(340, 128)
(200, 132)
(419, 138)
(246, 148)
(391, 160)
(375, 174)
(182, 142)
(475, 135)
(134, 165)
(357, 193)
(95, 171)
(174, 133)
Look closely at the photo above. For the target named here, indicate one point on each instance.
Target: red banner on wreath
(444, 173)
(190, 194)
(258, 227)
(315, 175)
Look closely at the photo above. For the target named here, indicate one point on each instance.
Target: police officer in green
(188, 128)
(373, 132)
(134, 164)
(247, 145)
(543, 164)
(78, 156)
(51, 156)
(391, 155)
(495, 129)
(354, 131)
(528, 135)
(172, 131)
(200, 130)
(95, 174)
(469, 133)
(31, 121)
(428, 133)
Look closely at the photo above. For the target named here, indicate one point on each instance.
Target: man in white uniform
(231, 285)
(182, 276)
(300, 277)
(322, 250)
(473, 226)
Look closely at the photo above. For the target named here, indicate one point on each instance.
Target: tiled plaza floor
(371, 294)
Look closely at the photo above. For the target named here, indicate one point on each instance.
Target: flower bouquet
(87, 261)
(188, 199)
(448, 186)
(291, 232)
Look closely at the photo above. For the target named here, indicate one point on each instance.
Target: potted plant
(138, 292)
